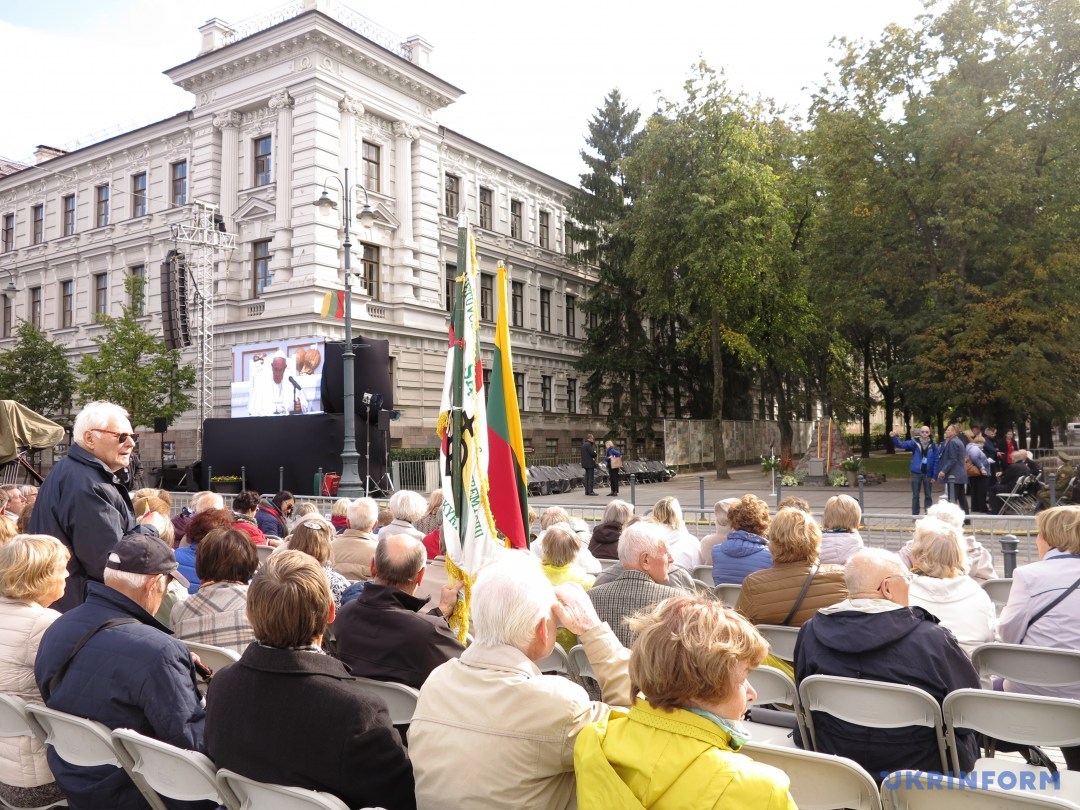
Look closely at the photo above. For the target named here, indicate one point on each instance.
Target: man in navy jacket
(874, 636)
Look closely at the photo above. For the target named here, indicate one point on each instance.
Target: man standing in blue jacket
(924, 459)
(111, 661)
(84, 500)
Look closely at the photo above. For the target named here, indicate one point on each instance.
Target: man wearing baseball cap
(110, 660)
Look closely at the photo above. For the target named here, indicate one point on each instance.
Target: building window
(487, 297)
(372, 157)
(370, 263)
(138, 194)
(551, 447)
(9, 232)
(515, 219)
(138, 303)
(67, 304)
(545, 393)
(67, 208)
(517, 302)
(452, 183)
(485, 208)
(593, 320)
(178, 183)
(6, 326)
(545, 228)
(571, 316)
(545, 310)
(261, 151)
(260, 253)
(451, 286)
(571, 395)
(519, 387)
(101, 206)
(35, 306)
(487, 383)
(37, 224)
(101, 294)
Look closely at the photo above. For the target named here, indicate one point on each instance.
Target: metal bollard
(950, 487)
(209, 475)
(861, 479)
(243, 478)
(1052, 483)
(701, 491)
(1009, 546)
(281, 479)
(318, 481)
(779, 489)
(633, 492)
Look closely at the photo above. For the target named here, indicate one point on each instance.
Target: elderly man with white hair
(354, 547)
(84, 501)
(490, 730)
(874, 635)
(407, 507)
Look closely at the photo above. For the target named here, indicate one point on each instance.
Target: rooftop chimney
(43, 153)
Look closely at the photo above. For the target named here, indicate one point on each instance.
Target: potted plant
(770, 463)
(851, 465)
(225, 484)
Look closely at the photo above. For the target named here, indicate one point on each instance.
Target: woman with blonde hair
(314, 537)
(685, 549)
(688, 668)
(942, 587)
(840, 538)
(745, 549)
(33, 569)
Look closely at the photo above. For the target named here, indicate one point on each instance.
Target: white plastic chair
(916, 790)
(85, 743)
(400, 699)
(172, 772)
(874, 704)
(14, 723)
(214, 657)
(819, 781)
(580, 662)
(998, 591)
(264, 553)
(781, 640)
(253, 795)
(558, 662)
(703, 573)
(728, 593)
(1021, 719)
(605, 564)
(774, 686)
(1039, 666)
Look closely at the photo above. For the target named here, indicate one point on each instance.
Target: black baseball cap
(144, 554)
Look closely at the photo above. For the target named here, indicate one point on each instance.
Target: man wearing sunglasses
(84, 501)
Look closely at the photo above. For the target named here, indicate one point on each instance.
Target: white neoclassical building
(280, 107)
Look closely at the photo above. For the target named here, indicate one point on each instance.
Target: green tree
(134, 369)
(36, 373)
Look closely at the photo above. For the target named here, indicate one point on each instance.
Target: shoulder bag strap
(802, 594)
(1048, 608)
(54, 681)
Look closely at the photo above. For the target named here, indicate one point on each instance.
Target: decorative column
(229, 124)
(405, 133)
(350, 108)
(283, 156)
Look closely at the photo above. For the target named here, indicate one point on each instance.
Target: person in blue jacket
(924, 463)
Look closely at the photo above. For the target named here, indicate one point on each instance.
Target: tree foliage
(36, 373)
(134, 369)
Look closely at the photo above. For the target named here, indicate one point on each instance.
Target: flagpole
(457, 385)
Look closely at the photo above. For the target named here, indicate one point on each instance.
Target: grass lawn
(892, 467)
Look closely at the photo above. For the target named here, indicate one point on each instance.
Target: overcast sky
(533, 73)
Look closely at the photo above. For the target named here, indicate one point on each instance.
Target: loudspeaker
(384, 420)
(161, 424)
(371, 375)
(174, 309)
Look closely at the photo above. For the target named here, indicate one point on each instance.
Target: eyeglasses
(123, 438)
(906, 577)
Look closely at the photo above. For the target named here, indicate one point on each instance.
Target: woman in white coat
(33, 568)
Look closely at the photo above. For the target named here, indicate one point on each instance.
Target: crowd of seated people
(672, 665)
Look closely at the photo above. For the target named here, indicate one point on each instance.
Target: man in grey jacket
(951, 465)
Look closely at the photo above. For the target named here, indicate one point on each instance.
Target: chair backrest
(916, 790)
(580, 662)
(253, 795)
(264, 553)
(998, 591)
(558, 662)
(874, 704)
(774, 686)
(703, 573)
(13, 720)
(820, 781)
(170, 771)
(213, 657)
(1040, 666)
(728, 593)
(85, 743)
(605, 564)
(781, 640)
(400, 699)
(1022, 719)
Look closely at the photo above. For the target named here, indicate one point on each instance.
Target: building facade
(280, 109)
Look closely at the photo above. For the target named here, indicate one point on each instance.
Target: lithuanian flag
(507, 492)
(334, 302)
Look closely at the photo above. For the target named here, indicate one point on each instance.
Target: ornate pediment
(255, 209)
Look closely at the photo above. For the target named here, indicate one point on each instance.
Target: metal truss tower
(204, 233)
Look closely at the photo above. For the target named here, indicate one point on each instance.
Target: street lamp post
(350, 485)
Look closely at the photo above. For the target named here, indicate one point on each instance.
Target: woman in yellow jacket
(677, 748)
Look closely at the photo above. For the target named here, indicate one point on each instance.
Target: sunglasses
(123, 438)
